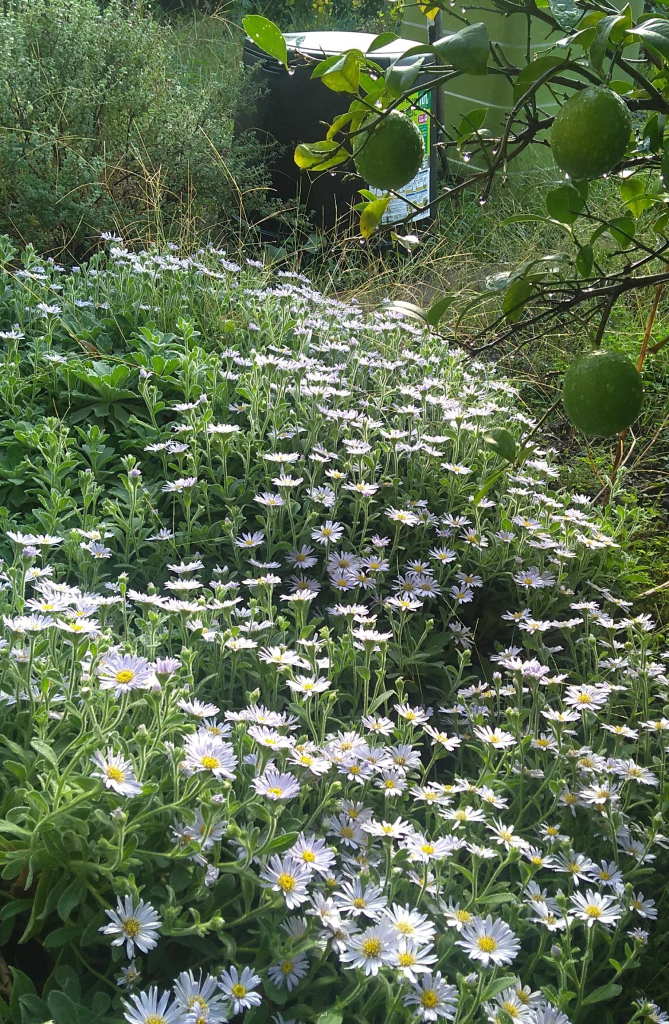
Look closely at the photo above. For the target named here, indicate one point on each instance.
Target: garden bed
(307, 714)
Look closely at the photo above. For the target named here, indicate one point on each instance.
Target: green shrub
(102, 126)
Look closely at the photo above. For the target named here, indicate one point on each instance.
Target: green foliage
(103, 126)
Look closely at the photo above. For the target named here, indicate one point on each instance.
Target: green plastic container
(467, 92)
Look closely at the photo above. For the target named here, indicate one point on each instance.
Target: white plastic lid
(327, 44)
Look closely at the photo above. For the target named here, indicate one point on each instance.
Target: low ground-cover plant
(319, 700)
(101, 122)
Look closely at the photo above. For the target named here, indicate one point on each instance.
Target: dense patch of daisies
(302, 720)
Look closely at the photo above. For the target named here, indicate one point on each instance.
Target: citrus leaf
(534, 70)
(471, 123)
(382, 40)
(410, 242)
(437, 310)
(633, 195)
(601, 40)
(267, 36)
(467, 50)
(502, 442)
(516, 296)
(319, 156)
(370, 218)
(566, 13)
(564, 203)
(654, 34)
(585, 260)
(344, 75)
(400, 79)
(622, 229)
(410, 308)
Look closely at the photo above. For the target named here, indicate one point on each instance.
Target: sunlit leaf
(267, 36)
(371, 216)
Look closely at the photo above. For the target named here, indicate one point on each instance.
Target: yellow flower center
(460, 815)
(511, 1009)
(347, 832)
(238, 991)
(583, 698)
(427, 848)
(155, 1018)
(406, 959)
(429, 999)
(308, 856)
(605, 876)
(274, 791)
(286, 882)
(487, 944)
(359, 903)
(371, 947)
(114, 773)
(390, 784)
(125, 676)
(593, 911)
(132, 927)
(287, 966)
(210, 762)
(463, 915)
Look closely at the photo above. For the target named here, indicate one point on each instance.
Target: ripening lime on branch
(602, 393)
(392, 154)
(591, 132)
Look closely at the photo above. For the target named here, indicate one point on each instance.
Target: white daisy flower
(290, 971)
(240, 988)
(593, 907)
(133, 925)
(489, 941)
(372, 949)
(148, 1008)
(289, 877)
(432, 998)
(117, 773)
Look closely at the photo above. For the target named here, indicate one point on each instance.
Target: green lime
(602, 393)
(664, 167)
(392, 154)
(591, 132)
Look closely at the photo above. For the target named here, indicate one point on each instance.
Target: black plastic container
(293, 108)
